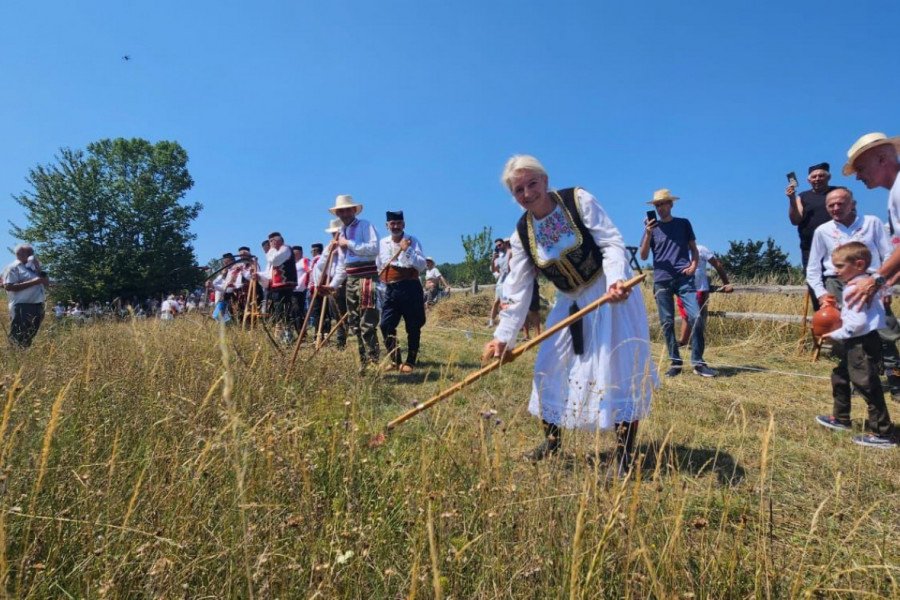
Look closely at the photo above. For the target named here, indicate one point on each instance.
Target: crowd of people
(597, 373)
(359, 284)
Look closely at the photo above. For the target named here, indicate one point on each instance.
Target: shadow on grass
(732, 371)
(683, 459)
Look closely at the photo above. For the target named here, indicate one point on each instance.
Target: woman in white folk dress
(597, 373)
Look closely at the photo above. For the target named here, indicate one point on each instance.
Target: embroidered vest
(577, 266)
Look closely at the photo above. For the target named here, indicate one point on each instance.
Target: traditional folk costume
(356, 266)
(280, 279)
(336, 304)
(298, 297)
(402, 297)
(225, 285)
(598, 373)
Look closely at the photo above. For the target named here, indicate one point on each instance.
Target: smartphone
(651, 215)
(792, 179)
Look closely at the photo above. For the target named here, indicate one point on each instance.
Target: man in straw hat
(357, 245)
(873, 158)
(675, 259)
(400, 260)
(807, 211)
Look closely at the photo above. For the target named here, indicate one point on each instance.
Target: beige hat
(427, 258)
(334, 225)
(663, 195)
(867, 142)
(345, 201)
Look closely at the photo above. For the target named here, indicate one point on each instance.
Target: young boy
(859, 351)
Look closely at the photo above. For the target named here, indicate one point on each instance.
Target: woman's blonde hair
(520, 162)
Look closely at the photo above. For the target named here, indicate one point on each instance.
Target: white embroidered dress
(613, 379)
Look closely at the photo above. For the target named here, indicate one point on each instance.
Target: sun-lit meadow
(163, 460)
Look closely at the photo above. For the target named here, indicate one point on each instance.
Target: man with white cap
(337, 305)
(873, 158)
(357, 245)
(675, 260)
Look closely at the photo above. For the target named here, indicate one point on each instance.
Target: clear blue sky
(416, 105)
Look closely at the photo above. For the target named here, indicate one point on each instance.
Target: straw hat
(345, 201)
(867, 142)
(663, 195)
(334, 225)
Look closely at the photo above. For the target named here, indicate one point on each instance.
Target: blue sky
(416, 106)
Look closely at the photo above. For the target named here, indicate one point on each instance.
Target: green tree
(758, 260)
(109, 222)
(478, 250)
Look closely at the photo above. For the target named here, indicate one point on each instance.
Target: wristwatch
(880, 281)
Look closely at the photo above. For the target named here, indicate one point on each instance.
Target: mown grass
(176, 460)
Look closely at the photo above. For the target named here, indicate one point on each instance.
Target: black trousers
(860, 361)
(25, 321)
(403, 299)
(298, 309)
(280, 299)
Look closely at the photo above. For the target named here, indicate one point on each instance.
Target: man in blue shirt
(675, 259)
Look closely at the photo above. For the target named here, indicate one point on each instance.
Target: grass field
(163, 460)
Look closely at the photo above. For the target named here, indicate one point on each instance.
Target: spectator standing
(25, 283)
(675, 260)
(701, 282)
(807, 211)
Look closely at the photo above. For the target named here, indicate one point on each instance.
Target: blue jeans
(664, 292)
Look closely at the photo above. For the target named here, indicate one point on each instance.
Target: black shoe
(545, 449)
(830, 422)
(623, 456)
(550, 446)
(674, 371)
(704, 371)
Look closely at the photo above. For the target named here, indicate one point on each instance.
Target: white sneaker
(491, 323)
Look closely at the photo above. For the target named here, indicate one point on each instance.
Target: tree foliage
(758, 260)
(477, 265)
(108, 222)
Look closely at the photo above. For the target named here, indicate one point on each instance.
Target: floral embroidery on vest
(553, 228)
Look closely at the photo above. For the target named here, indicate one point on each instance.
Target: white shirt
(18, 272)
(855, 323)
(413, 257)
(228, 280)
(274, 258)
(303, 269)
(894, 206)
(433, 274)
(168, 309)
(319, 266)
(362, 247)
(701, 278)
(867, 229)
(518, 283)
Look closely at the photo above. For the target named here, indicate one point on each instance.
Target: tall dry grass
(174, 460)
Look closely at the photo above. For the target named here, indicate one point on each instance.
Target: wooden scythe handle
(511, 355)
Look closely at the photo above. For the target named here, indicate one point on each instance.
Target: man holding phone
(24, 282)
(807, 210)
(675, 259)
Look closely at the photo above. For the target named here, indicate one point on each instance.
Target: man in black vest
(807, 211)
(280, 279)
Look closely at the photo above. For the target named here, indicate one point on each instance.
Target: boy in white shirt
(859, 351)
